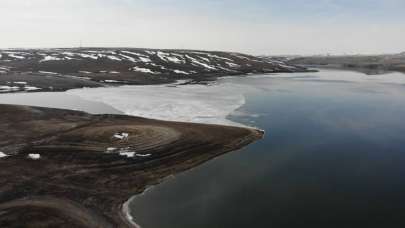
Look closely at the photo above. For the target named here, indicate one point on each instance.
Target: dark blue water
(333, 156)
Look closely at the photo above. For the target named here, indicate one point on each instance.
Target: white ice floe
(34, 156)
(121, 136)
(144, 70)
(3, 155)
(188, 103)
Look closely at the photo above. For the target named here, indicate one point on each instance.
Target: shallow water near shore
(333, 156)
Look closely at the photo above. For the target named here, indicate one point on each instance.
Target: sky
(274, 27)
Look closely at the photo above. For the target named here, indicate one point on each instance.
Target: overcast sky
(251, 26)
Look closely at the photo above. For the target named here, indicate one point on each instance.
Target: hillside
(370, 64)
(62, 69)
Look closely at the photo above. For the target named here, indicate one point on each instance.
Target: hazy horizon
(258, 27)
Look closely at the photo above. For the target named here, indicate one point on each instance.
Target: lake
(333, 154)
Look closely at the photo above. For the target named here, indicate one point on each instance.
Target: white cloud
(59, 23)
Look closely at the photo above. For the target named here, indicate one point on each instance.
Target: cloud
(257, 26)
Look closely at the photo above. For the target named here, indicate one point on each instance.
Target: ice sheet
(189, 103)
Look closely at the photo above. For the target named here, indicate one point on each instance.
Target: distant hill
(371, 64)
(93, 67)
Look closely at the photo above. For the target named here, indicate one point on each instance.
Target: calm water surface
(333, 156)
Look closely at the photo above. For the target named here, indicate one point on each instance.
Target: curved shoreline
(75, 163)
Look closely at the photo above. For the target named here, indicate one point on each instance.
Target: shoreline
(71, 148)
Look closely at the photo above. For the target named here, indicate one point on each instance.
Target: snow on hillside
(152, 61)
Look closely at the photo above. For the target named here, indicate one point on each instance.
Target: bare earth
(90, 165)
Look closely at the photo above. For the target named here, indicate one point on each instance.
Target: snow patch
(31, 88)
(113, 58)
(34, 156)
(128, 154)
(121, 136)
(3, 155)
(180, 72)
(9, 88)
(111, 81)
(47, 72)
(20, 83)
(144, 70)
(195, 61)
(50, 58)
(129, 58)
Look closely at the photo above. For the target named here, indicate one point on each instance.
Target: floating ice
(188, 103)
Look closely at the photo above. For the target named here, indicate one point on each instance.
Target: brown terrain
(34, 70)
(62, 168)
